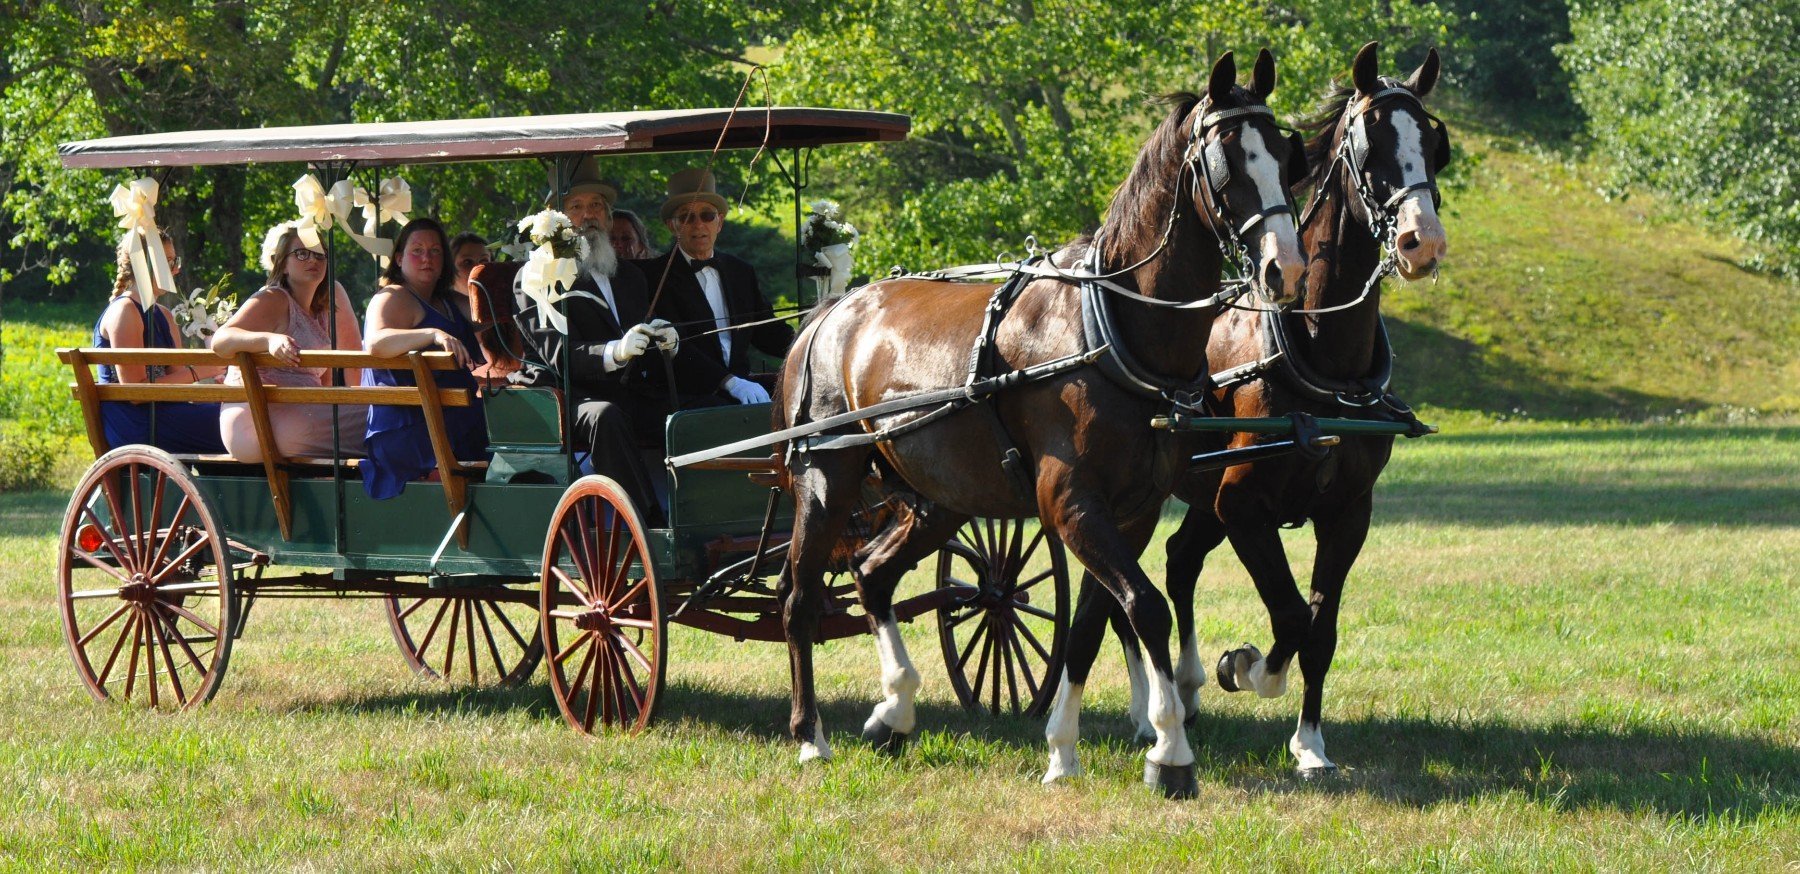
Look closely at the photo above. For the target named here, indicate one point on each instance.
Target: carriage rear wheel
(1003, 638)
(147, 611)
(467, 637)
(601, 611)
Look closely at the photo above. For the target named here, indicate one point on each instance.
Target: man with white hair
(620, 392)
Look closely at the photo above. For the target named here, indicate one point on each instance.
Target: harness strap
(1100, 331)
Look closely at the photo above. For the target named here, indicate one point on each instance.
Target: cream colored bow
(546, 279)
(135, 205)
(316, 210)
(345, 196)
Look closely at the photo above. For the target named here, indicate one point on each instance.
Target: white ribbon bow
(545, 280)
(316, 209)
(135, 205)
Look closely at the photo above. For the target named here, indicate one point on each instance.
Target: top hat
(586, 177)
(693, 185)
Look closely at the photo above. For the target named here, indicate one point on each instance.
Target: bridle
(1210, 169)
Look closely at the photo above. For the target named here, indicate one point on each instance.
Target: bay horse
(1374, 162)
(1076, 448)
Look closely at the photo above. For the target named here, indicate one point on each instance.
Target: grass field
(1566, 647)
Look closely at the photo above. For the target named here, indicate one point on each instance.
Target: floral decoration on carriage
(828, 239)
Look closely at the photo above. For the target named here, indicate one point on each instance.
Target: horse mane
(1141, 194)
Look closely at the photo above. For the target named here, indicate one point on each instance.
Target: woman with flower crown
(419, 308)
(292, 313)
(176, 427)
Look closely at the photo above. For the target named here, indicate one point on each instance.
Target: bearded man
(620, 393)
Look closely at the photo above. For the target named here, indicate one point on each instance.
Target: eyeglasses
(704, 216)
(307, 255)
(470, 263)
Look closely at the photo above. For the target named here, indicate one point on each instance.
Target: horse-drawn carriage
(506, 562)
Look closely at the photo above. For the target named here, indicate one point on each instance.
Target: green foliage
(1504, 55)
(1699, 99)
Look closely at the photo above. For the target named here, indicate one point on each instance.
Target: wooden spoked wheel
(146, 609)
(1003, 639)
(601, 611)
(467, 637)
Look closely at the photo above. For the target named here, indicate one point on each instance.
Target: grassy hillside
(1556, 303)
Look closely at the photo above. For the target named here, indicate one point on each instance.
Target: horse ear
(1224, 78)
(1296, 167)
(1425, 78)
(1363, 70)
(1262, 79)
(1440, 156)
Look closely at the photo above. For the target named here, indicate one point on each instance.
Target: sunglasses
(307, 255)
(703, 216)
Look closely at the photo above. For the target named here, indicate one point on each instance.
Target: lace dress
(301, 430)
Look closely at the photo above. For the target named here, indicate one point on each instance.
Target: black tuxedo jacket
(591, 327)
(701, 365)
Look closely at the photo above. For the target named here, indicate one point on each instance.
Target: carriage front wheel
(1003, 637)
(601, 611)
(144, 583)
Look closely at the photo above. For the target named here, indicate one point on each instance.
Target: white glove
(745, 392)
(635, 342)
(667, 338)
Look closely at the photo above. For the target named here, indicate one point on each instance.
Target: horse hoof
(1311, 775)
(883, 738)
(1228, 667)
(1173, 781)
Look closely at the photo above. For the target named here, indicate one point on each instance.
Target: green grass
(1565, 648)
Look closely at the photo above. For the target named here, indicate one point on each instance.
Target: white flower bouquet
(552, 267)
(829, 238)
(200, 314)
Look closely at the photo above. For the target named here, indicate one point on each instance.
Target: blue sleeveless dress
(399, 445)
(167, 425)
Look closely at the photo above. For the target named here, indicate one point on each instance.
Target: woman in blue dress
(419, 308)
(176, 427)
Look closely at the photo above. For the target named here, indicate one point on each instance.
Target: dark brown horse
(1374, 162)
(1086, 461)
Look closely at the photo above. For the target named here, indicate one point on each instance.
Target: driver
(619, 392)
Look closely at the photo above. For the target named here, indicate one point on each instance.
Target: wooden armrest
(376, 395)
(335, 359)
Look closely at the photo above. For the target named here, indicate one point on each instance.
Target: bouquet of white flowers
(553, 266)
(200, 314)
(829, 238)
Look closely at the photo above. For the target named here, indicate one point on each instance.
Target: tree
(1699, 99)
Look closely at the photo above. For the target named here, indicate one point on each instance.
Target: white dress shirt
(708, 278)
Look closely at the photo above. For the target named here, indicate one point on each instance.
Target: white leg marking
(899, 681)
(817, 748)
(1190, 676)
(1063, 730)
(1140, 694)
(1266, 684)
(1308, 747)
(1171, 748)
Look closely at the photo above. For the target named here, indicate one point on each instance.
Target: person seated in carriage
(291, 313)
(126, 324)
(715, 296)
(419, 308)
(621, 396)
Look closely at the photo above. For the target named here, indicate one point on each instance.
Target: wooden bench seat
(425, 394)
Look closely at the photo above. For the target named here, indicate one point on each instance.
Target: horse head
(1242, 165)
(1393, 149)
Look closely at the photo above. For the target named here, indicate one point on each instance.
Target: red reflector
(89, 538)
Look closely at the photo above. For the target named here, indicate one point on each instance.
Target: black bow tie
(700, 264)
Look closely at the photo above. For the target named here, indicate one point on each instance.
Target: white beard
(601, 258)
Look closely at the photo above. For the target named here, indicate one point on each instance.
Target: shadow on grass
(1401, 760)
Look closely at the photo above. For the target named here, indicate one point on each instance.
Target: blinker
(1296, 167)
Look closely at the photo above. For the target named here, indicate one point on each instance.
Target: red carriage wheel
(1003, 639)
(601, 611)
(467, 637)
(146, 610)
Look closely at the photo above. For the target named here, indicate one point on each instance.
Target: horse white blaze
(899, 681)
(1308, 747)
(816, 747)
(1063, 729)
(1190, 675)
(1140, 694)
(1171, 748)
(1419, 236)
(1278, 240)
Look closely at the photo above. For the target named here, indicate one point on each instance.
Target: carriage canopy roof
(481, 139)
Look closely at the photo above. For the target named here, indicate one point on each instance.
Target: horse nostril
(1409, 241)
